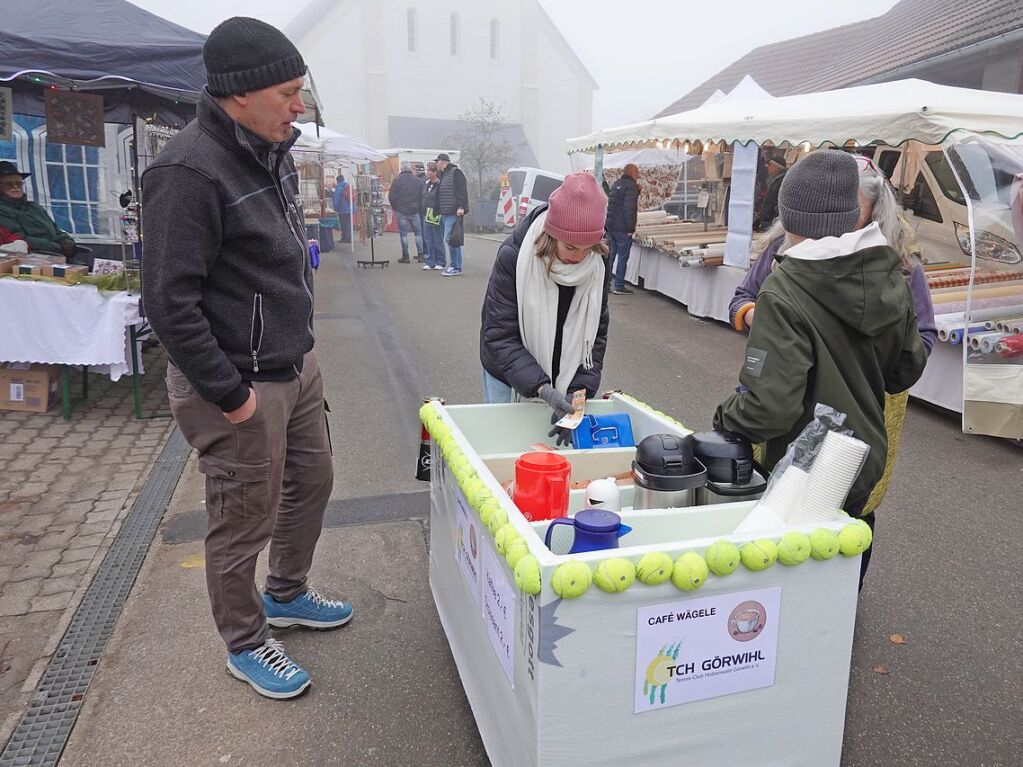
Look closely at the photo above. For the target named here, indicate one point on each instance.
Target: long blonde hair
(546, 247)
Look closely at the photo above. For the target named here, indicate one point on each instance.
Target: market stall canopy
(892, 113)
(644, 158)
(103, 45)
(336, 145)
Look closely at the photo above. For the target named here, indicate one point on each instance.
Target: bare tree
(485, 150)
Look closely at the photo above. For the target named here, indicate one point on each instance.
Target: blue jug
(594, 529)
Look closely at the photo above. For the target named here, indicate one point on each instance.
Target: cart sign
(468, 541)
(499, 611)
(703, 648)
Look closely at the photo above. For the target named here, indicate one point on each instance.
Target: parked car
(530, 188)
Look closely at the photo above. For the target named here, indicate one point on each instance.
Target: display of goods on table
(625, 603)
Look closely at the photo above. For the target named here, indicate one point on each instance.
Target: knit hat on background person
(243, 54)
(577, 211)
(819, 196)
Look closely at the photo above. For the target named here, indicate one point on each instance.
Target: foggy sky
(644, 54)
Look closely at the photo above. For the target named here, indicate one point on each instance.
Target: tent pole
(135, 171)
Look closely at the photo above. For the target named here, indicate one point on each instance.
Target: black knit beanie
(819, 196)
(244, 54)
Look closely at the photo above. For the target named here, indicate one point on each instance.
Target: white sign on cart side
(499, 611)
(696, 649)
(468, 542)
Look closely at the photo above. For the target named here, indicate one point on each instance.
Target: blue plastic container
(598, 431)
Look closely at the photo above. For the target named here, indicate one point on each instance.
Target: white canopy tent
(335, 144)
(892, 113)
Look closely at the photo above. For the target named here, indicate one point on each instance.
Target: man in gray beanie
(835, 323)
(228, 288)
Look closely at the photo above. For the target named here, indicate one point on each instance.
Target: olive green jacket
(31, 221)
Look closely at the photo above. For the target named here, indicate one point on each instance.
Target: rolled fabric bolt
(980, 309)
(987, 345)
(957, 336)
(976, 340)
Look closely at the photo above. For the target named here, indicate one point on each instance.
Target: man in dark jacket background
(452, 201)
(622, 211)
(228, 288)
(406, 199)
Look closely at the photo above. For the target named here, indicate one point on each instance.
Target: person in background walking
(545, 315)
(406, 199)
(622, 211)
(228, 288)
(433, 232)
(344, 206)
(452, 202)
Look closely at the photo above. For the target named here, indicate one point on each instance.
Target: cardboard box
(29, 388)
(8, 265)
(32, 269)
(64, 271)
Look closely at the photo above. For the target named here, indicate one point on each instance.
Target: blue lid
(597, 520)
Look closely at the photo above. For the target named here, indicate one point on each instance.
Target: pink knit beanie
(577, 211)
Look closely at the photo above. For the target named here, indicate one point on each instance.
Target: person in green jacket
(835, 324)
(29, 219)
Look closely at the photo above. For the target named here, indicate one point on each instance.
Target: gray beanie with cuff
(819, 196)
(243, 55)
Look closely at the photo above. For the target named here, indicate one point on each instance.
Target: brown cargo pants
(267, 480)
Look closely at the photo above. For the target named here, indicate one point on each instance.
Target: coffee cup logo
(747, 621)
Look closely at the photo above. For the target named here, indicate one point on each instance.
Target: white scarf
(537, 294)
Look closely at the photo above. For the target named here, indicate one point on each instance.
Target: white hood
(833, 247)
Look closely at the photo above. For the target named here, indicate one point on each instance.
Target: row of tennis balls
(690, 570)
(658, 413)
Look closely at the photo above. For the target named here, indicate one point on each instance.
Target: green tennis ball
(654, 568)
(504, 536)
(498, 519)
(527, 574)
(689, 572)
(723, 558)
(854, 539)
(427, 413)
(571, 579)
(759, 554)
(478, 492)
(794, 548)
(515, 551)
(440, 430)
(614, 575)
(487, 509)
(823, 544)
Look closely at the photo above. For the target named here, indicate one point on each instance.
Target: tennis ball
(478, 493)
(722, 557)
(759, 554)
(428, 414)
(689, 572)
(614, 575)
(515, 551)
(571, 579)
(487, 509)
(794, 548)
(854, 539)
(498, 519)
(823, 544)
(527, 574)
(654, 568)
(504, 536)
(440, 430)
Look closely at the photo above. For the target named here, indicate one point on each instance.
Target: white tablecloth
(706, 291)
(942, 380)
(66, 324)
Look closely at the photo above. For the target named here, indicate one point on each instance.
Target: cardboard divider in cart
(750, 666)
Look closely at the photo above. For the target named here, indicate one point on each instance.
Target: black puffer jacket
(406, 194)
(453, 192)
(501, 349)
(623, 205)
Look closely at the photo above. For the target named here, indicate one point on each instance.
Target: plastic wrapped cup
(832, 476)
(786, 494)
(761, 519)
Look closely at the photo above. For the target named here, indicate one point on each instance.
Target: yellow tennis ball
(428, 414)
(487, 509)
(515, 551)
(823, 544)
(504, 536)
(794, 548)
(477, 492)
(654, 568)
(527, 574)
(723, 558)
(689, 572)
(571, 579)
(855, 538)
(759, 555)
(498, 519)
(614, 575)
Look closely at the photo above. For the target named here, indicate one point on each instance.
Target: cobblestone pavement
(65, 487)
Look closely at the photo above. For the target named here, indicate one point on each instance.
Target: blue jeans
(456, 253)
(621, 245)
(404, 222)
(434, 237)
(494, 391)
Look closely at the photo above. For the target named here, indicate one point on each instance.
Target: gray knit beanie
(243, 54)
(819, 196)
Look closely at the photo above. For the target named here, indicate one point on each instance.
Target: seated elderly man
(27, 219)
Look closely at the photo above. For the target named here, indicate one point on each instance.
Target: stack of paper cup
(761, 519)
(786, 494)
(834, 470)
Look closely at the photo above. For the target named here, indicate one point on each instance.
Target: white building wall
(564, 107)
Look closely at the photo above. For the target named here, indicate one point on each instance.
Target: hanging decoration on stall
(6, 115)
(74, 118)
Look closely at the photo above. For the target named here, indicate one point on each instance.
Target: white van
(531, 187)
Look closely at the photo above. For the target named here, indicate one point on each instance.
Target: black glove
(556, 400)
(563, 436)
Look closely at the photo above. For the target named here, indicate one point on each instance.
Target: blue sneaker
(269, 670)
(309, 609)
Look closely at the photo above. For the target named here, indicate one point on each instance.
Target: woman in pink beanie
(545, 314)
